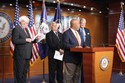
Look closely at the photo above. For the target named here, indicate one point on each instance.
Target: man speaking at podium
(72, 60)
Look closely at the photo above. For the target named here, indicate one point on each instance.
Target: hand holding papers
(42, 36)
(58, 55)
(35, 37)
(39, 37)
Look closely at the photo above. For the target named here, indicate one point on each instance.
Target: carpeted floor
(116, 78)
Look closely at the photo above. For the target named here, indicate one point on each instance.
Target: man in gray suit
(23, 49)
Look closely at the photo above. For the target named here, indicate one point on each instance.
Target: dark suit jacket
(53, 42)
(70, 41)
(22, 48)
(88, 37)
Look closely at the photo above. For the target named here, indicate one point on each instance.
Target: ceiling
(97, 4)
(81, 1)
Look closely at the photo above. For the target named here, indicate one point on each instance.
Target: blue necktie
(84, 37)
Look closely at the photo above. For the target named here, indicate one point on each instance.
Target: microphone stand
(43, 80)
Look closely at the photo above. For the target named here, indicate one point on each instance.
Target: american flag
(43, 29)
(32, 31)
(120, 37)
(16, 21)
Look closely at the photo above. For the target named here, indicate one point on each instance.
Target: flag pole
(28, 76)
(43, 80)
(120, 72)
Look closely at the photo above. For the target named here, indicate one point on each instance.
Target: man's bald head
(75, 24)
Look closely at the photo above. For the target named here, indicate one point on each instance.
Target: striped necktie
(77, 37)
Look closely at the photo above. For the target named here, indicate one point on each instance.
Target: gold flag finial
(122, 3)
(58, 1)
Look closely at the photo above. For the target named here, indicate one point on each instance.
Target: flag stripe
(32, 31)
(120, 37)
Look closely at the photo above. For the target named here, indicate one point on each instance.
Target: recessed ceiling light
(11, 4)
(54, 1)
(84, 6)
(80, 10)
(33, 2)
(72, 4)
(27, 6)
(92, 8)
(100, 12)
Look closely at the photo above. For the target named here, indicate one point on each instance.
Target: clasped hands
(82, 47)
(61, 51)
(78, 47)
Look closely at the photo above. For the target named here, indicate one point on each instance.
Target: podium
(97, 63)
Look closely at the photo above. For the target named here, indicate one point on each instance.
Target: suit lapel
(73, 36)
(22, 31)
(55, 36)
(28, 35)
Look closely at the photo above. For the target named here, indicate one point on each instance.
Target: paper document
(35, 37)
(41, 37)
(58, 56)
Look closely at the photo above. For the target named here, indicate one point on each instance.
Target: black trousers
(21, 67)
(55, 70)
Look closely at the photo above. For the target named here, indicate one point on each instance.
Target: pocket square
(88, 33)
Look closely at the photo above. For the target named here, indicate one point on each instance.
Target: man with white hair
(23, 49)
(54, 41)
(85, 33)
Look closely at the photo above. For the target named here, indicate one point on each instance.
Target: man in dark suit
(23, 50)
(54, 41)
(72, 60)
(86, 37)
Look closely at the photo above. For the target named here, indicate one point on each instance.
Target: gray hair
(82, 19)
(24, 19)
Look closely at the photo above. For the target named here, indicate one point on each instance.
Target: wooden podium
(97, 64)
